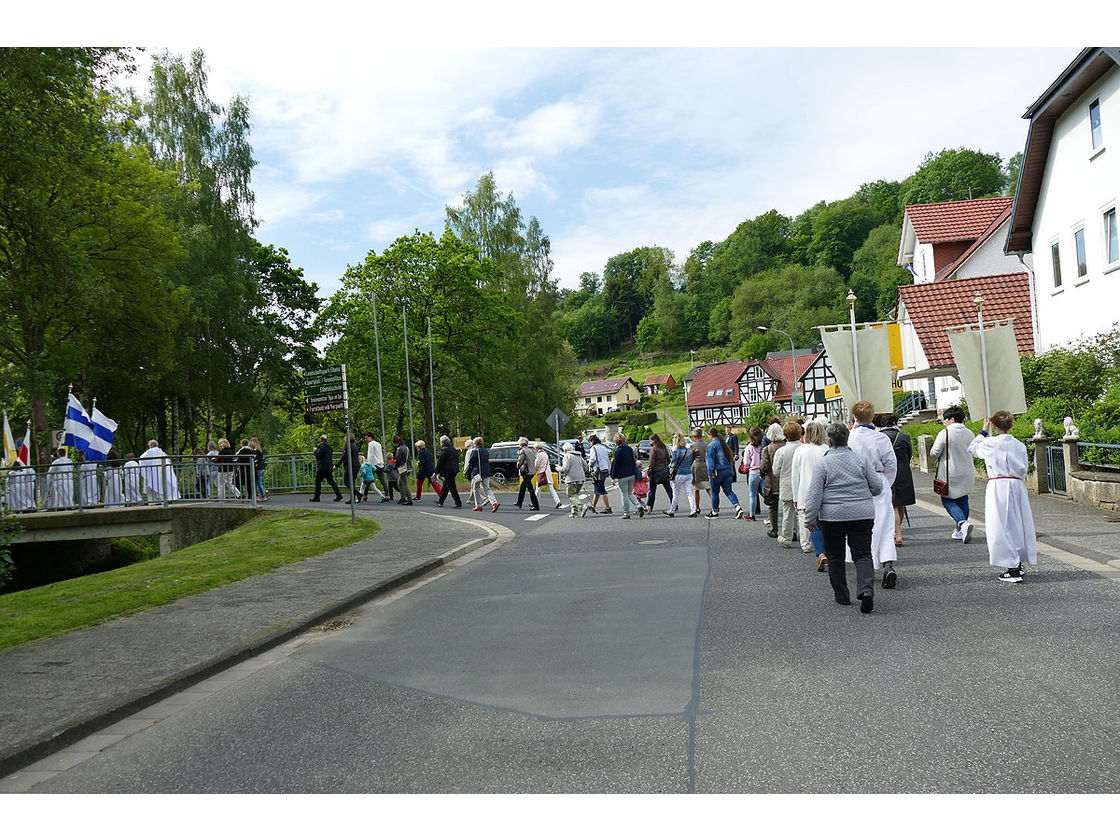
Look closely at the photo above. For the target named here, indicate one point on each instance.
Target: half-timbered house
(714, 398)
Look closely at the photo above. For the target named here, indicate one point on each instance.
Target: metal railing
(908, 403)
(172, 479)
(1100, 456)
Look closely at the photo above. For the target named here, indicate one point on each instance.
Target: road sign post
(325, 390)
(556, 420)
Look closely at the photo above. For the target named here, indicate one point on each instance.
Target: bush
(759, 413)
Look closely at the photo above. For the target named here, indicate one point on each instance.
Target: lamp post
(793, 357)
(691, 354)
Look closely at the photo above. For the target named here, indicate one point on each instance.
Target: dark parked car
(644, 446)
(503, 460)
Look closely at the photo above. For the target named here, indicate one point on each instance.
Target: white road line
(535, 518)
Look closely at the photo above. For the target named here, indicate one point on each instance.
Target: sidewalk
(1086, 537)
(55, 691)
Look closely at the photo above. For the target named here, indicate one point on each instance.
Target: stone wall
(1098, 489)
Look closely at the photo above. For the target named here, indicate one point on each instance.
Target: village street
(662, 656)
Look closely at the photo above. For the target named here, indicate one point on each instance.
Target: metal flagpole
(408, 384)
(349, 444)
(979, 301)
(377, 350)
(855, 350)
(431, 382)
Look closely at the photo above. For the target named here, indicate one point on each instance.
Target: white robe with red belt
(878, 449)
(1008, 522)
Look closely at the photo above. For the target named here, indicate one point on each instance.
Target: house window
(588, 400)
(818, 396)
(1111, 242)
(711, 393)
(1079, 244)
(1095, 122)
(598, 399)
(1056, 260)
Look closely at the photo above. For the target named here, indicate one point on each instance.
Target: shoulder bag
(941, 488)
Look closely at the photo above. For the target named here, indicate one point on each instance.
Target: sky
(615, 134)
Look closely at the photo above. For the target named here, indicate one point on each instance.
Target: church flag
(77, 428)
(103, 429)
(10, 453)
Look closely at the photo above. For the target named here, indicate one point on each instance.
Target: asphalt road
(663, 656)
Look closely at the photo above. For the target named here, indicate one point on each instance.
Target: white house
(945, 242)
(1065, 209)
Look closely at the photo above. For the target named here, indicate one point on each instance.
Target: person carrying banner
(866, 440)
(1008, 522)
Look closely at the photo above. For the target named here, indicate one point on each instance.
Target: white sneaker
(966, 532)
(957, 535)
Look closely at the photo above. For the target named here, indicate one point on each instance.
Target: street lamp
(691, 354)
(793, 357)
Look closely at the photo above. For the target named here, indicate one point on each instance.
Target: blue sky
(366, 124)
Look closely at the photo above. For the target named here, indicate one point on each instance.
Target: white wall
(989, 258)
(1078, 184)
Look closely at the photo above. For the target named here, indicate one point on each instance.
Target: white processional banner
(1005, 374)
(875, 374)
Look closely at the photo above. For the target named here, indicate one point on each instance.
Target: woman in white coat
(805, 461)
(1008, 522)
(543, 469)
(955, 466)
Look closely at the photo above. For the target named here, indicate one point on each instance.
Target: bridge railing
(172, 479)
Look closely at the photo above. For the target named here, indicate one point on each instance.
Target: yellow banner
(832, 391)
(894, 342)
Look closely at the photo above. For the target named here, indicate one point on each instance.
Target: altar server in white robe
(876, 447)
(131, 470)
(1008, 522)
(21, 488)
(89, 486)
(114, 481)
(60, 482)
(159, 477)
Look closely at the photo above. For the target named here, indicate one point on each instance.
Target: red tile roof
(949, 303)
(719, 377)
(952, 221)
(783, 367)
(974, 247)
(658, 379)
(595, 387)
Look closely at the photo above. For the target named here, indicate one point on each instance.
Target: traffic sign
(557, 419)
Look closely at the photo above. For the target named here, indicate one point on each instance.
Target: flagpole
(855, 350)
(979, 301)
(380, 393)
(408, 385)
(431, 381)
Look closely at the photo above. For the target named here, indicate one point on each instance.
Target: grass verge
(271, 540)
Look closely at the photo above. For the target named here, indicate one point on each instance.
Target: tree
(875, 274)
(955, 175)
(85, 244)
(838, 231)
(1011, 173)
(628, 283)
(884, 199)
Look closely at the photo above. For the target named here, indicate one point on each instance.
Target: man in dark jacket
(402, 454)
(324, 469)
(349, 471)
(447, 468)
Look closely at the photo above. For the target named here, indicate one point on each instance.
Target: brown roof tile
(933, 307)
(601, 386)
(975, 246)
(720, 377)
(783, 367)
(952, 221)
(658, 379)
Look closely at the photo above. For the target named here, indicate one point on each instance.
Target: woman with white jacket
(955, 465)
(805, 460)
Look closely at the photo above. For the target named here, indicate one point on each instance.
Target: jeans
(480, 487)
(260, 484)
(857, 533)
(957, 508)
(653, 490)
(754, 485)
(722, 481)
(682, 485)
(626, 488)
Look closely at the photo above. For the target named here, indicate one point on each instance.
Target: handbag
(743, 469)
(941, 488)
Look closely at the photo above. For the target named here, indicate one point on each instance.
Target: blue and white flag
(103, 429)
(910, 268)
(78, 428)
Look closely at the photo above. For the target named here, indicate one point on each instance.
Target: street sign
(798, 399)
(557, 419)
(325, 390)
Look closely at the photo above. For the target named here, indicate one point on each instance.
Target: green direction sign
(324, 389)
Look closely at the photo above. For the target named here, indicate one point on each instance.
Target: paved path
(662, 655)
(56, 690)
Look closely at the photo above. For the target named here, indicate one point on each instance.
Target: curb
(22, 756)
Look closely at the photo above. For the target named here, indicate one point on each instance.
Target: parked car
(644, 446)
(503, 460)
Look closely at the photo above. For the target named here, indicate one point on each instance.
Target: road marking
(535, 518)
